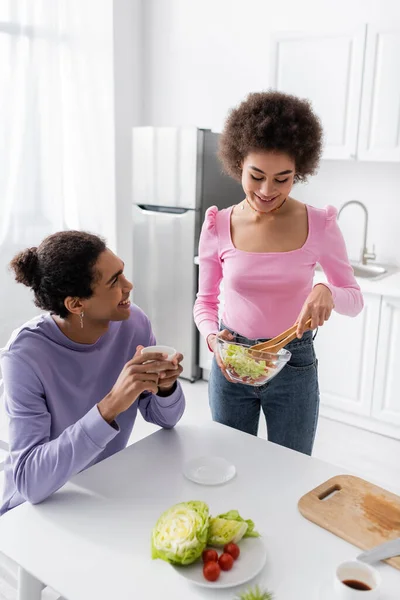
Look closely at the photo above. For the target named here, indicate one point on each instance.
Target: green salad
(242, 363)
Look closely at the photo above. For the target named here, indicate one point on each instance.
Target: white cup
(355, 571)
(171, 352)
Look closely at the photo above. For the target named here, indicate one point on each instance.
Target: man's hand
(167, 382)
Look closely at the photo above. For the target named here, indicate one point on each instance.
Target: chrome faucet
(365, 255)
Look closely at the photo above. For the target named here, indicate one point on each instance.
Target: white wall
(202, 57)
(375, 184)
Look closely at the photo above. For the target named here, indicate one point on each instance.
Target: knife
(381, 552)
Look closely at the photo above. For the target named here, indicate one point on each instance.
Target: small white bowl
(171, 352)
(359, 572)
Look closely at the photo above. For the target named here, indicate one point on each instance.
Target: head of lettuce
(180, 534)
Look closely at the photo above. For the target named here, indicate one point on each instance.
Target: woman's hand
(212, 342)
(137, 376)
(318, 307)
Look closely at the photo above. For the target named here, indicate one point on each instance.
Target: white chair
(8, 569)
(3, 428)
(3, 450)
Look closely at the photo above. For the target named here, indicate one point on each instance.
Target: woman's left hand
(317, 307)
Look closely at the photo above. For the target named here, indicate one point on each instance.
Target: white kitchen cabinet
(386, 398)
(325, 67)
(352, 78)
(380, 112)
(346, 349)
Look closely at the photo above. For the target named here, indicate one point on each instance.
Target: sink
(371, 271)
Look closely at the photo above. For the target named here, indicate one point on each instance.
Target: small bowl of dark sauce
(355, 580)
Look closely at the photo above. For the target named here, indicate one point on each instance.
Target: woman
(75, 378)
(265, 250)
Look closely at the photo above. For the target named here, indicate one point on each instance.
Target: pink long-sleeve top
(264, 292)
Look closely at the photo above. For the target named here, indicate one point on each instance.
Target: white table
(91, 540)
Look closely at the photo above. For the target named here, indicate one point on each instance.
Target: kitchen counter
(388, 286)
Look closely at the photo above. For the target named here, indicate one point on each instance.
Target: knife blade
(381, 552)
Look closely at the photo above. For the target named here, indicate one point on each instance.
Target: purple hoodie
(51, 388)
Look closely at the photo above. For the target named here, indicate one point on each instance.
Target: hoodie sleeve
(41, 466)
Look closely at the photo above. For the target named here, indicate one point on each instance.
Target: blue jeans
(290, 401)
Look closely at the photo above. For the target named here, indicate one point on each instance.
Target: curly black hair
(61, 266)
(272, 121)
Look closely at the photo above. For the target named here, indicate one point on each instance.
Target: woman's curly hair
(276, 122)
(61, 266)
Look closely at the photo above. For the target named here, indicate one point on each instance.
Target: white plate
(251, 561)
(209, 470)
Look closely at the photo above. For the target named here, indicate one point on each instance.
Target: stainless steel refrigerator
(176, 177)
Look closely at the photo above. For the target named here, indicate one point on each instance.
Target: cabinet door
(380, 112)
(346, 349)
(326, 68)
(386, 402)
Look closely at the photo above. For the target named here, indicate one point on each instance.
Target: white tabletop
(91, 540)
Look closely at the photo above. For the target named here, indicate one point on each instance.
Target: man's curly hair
(275, 122)
(62, 265)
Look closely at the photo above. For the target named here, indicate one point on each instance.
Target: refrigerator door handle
(172, 210)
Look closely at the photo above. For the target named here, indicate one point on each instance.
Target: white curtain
(56, 130)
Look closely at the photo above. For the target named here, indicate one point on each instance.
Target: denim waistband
(307, 338)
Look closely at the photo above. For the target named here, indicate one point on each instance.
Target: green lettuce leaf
(223, 531)
(233, 515)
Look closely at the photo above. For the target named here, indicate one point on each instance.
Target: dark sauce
(357, 585)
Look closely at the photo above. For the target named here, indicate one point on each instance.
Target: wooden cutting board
(357, 511)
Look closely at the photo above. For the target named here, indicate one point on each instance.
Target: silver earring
(81, 318)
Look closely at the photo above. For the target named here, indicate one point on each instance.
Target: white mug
(168, 350)
(171, 352)
(351, 573)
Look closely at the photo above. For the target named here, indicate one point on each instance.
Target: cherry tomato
(211, 571)
(225, 561)
(209, 555)
(233, 550)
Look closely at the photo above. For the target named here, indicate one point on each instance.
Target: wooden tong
(278, 342)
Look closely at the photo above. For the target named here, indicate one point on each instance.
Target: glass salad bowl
(252, 367)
